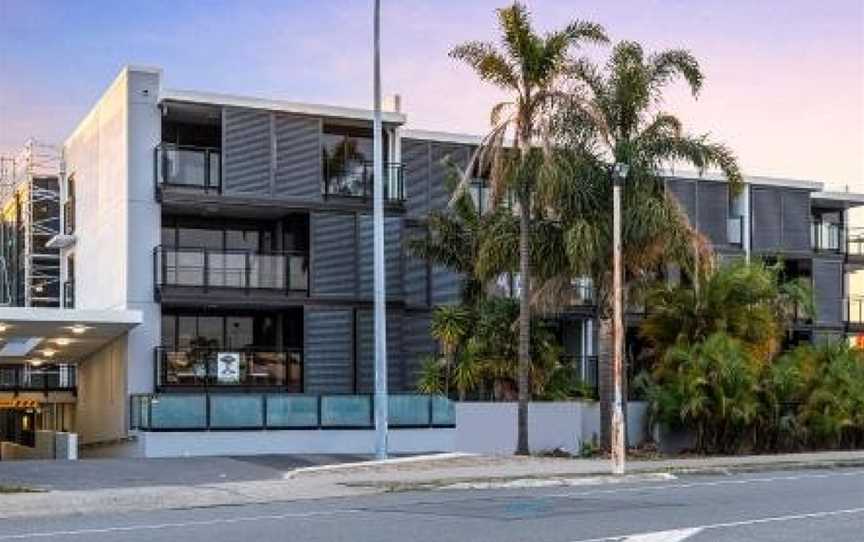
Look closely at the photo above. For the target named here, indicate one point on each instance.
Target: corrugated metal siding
(334, 254)
(366, 351)
(298, 158)
(328, 353)
(796, 220)
(417, 343)
(444, 157)
(247, 152)
(765, 204)
(415, 160)
(685, 192)
(828, 291)
(392, 256)
(713, 211)
(416, 280)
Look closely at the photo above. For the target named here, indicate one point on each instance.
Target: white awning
(62, 335)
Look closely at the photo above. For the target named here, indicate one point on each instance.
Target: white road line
(158, 526)
(664, 536)
(726, 525)
(688, 485)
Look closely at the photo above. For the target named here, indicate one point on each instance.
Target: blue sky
(785, 79)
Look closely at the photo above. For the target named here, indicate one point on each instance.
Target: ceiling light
(78, 329)
(35, 362)
(48, 353)
(3, 327)
(62, 341)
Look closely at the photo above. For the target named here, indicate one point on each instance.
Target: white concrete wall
(102, 409)
(195, 443)
(491, 427)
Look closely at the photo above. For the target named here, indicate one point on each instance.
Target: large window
(347, 155)
(238, 349)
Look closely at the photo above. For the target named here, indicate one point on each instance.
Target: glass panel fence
(346, 411)
(409, 410)
(443, 411)
(236, 411)
(292, 411)
(178, 412)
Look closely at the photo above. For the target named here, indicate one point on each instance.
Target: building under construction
(30, 214)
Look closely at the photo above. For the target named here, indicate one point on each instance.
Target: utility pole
(381, 401)
(617, 439)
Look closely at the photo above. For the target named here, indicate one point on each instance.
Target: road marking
(726, 525)
(687, 485)
(664, 536)
(158, 526)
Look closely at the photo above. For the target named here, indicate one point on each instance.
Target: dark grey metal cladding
(766, 217)
(417, 345)
(685, 192)
(298, 158)
(328, 356)
(713, 210)
(416, 280)
(828, 290)
(366, 351)
(796, 220)
(247, 152)
(416, 159)
(447, 160)
(392, 256)
(334, 255)
(446, 286)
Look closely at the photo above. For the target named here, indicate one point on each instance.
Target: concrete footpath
(363, 478)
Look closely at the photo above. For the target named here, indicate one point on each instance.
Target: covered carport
(61, 371)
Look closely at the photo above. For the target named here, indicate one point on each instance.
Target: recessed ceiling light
(48, 353)
(3, 327)
(62, 341)
(78, 329)
(35, 362)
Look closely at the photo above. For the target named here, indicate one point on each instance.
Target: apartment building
(216, 253)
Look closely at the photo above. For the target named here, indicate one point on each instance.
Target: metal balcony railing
(356, 180)
(188, 167)
(69, 294)
(69, 217)
(283, 411)
(48, 377)
(229, 368)
(827, 236)
(237, 269)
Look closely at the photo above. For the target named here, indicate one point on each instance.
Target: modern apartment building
(219, 249)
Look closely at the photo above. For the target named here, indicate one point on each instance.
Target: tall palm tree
(613, 117)
(532, 67)
(450, 325)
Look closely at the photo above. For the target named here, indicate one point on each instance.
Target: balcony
(204, 368)
(735, 230)
(207, 269)
(356, 180)
(827, 237)
(188, 168)
(69, 217)
(257, 411)
(44, 378)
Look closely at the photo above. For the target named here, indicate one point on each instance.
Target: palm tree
(451, 325)
(532, 68)
(612, 117)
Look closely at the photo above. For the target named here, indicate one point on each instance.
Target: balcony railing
(237, 269)
(189, 167)
(827, 236)
(69, 217)
(69, 294)
(855, 242)
(54, 377)
(735, 230)
(229, 368)
(257, 411)
(356, 180)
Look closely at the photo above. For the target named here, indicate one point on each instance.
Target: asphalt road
(788, 506)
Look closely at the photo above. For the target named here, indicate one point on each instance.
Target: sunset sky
(785, 78)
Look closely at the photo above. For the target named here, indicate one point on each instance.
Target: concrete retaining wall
(491, 427)
(193, 443)
(48, 445)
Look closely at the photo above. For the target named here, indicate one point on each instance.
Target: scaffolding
(30, 216)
